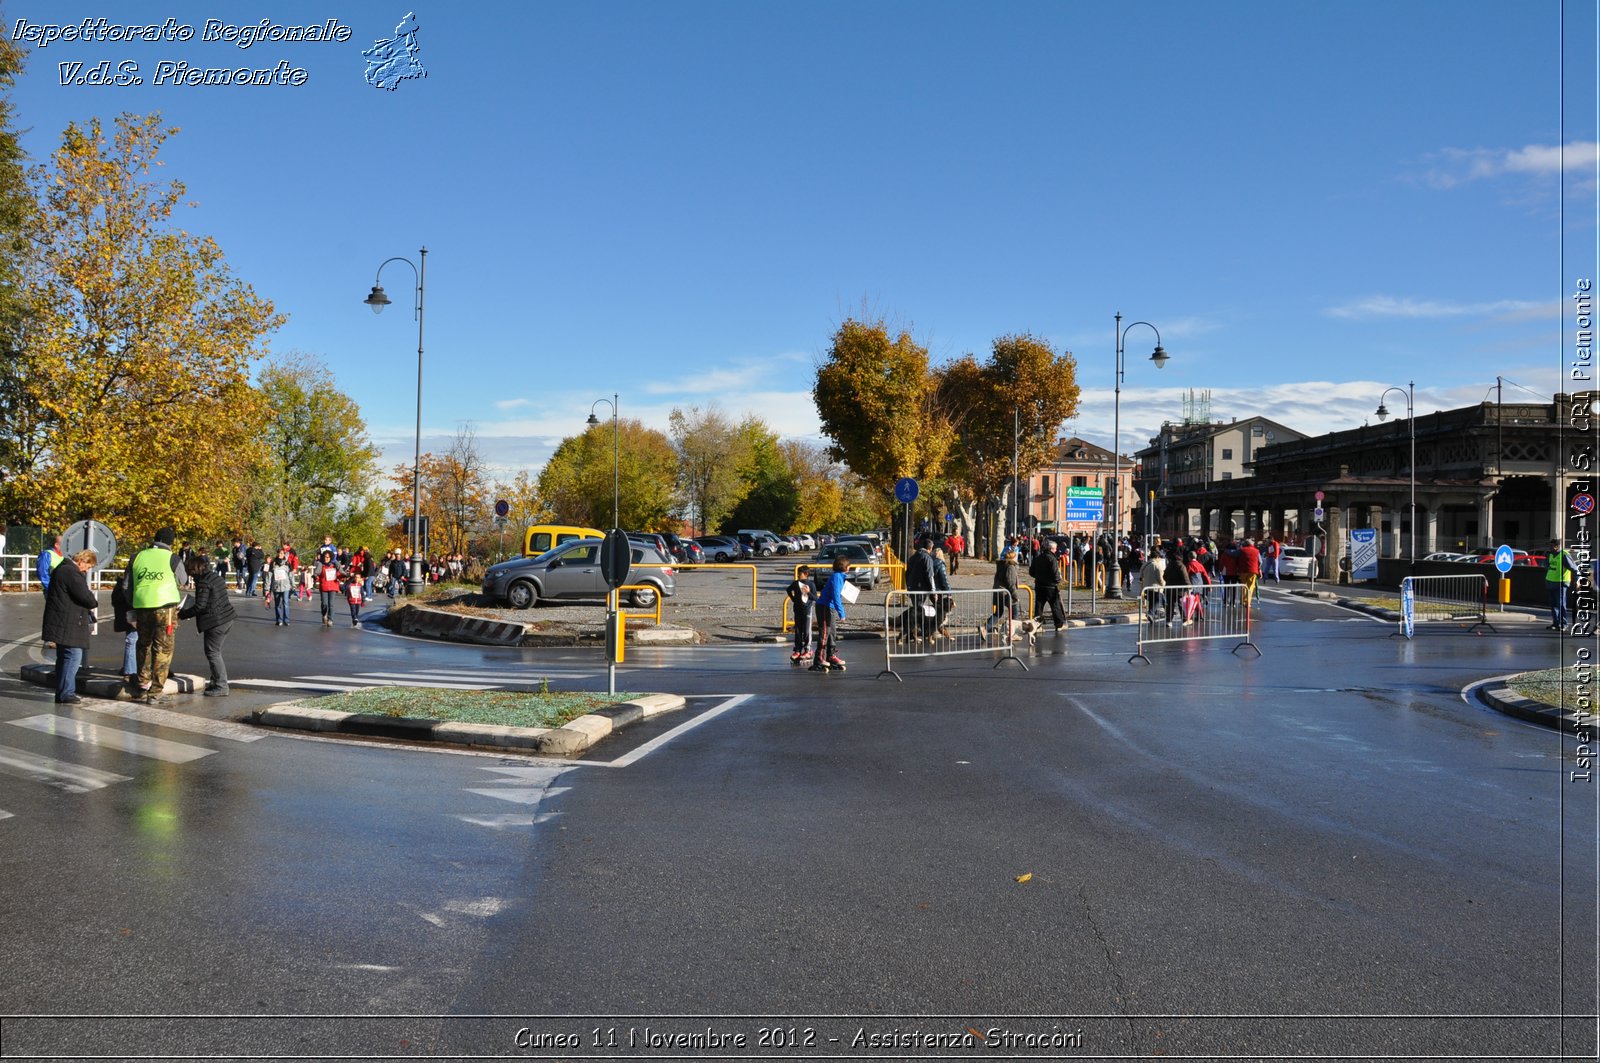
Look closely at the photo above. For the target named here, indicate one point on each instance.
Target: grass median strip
(1560, 687)
(502, 708)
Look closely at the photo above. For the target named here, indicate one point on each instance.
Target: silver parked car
(571, 571)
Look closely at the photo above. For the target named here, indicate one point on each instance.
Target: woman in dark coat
(69, 607)
(213, 615)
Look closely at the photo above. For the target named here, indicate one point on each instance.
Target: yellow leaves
(1025, 878)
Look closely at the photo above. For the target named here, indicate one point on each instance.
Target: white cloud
(1390, 306)
(512, 404)
(1577, 160)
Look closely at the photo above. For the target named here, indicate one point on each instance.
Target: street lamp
(1409, 391)
(1159, 356)
(378, 300)
(615, 452)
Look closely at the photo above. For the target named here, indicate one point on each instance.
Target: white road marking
(390, 682)
(289, 685)
(662, 739)
(73, 778)
(521, 795)
(233, 732)
(532, 675)
(113, 738)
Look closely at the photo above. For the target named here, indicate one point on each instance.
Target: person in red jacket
(327, 575)
(1249, 570)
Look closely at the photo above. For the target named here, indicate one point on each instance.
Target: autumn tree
(138, 349)
(318, 460)
(878, 401)
(459, 489)
(1005, 411)
(576, 483)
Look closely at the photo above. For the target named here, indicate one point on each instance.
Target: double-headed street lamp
(378, 300)
(1114, 578)
(615, 452)
(1409, 391)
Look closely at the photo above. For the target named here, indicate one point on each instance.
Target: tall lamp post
(1409, 391)
(1114, 579)
(378, 300)
(615, 451)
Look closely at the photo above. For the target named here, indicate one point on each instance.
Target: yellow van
(543, 537)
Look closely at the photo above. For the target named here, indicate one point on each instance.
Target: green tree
(138, 349)
(708, 478)
(319, 462)
(576, 483)
(22, 429)
(770, 497)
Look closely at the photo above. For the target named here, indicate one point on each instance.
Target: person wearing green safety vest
(155, 613)
(1557, 576)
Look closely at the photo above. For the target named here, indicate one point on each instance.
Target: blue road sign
(1504, 559)
(905, 490)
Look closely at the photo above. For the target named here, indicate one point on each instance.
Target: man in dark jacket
(1047, 585)
(69, 607)
(213, 614)
(255, 559)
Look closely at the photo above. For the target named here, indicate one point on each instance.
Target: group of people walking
(163, 585)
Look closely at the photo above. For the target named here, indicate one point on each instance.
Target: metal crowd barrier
(1199, 614)
(1447, 598)
(946, 623)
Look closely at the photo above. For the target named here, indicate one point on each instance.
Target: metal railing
(21, 572)
(1215, 611)
(654, 613)
(1453, 599)
(946, 623)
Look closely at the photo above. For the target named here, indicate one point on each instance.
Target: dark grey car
(572, 572)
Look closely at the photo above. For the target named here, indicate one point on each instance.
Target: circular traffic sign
(1318, 513)
(1583, 503)
(1504, 559)
(90, 535)
(501, 508)
(1320, 496)
(905, 490)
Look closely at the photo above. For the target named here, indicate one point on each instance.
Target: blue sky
(679, 202)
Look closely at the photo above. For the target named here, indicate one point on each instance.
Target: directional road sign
(1504, 558)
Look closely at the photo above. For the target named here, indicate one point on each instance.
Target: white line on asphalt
(521, 795)
(4, 814)
(233, 732)
(73, 778)
(288, 685)
(662, 739)
(371, 682)
(113, 738)
(533, 675)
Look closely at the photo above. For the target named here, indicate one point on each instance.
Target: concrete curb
(108, 687)
(570, 738)
(1503, 699)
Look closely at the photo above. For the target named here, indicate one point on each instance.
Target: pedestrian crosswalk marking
(112, 738)
(178, 721)
(73, 778)
(434, 680)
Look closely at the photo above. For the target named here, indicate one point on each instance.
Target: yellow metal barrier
(726, 565)
(655, 613)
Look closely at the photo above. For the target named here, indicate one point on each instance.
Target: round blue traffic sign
(905, 490)
(1504, 559)
(501, 508)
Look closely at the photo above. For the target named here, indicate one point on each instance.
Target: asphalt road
(1327, 850)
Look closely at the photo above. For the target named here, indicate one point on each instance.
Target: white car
(1298, 562)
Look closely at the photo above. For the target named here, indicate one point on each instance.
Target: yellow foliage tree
(138, 352)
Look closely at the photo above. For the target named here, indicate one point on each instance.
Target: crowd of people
(165, 583)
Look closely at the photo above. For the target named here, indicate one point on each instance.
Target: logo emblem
(393, 61)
